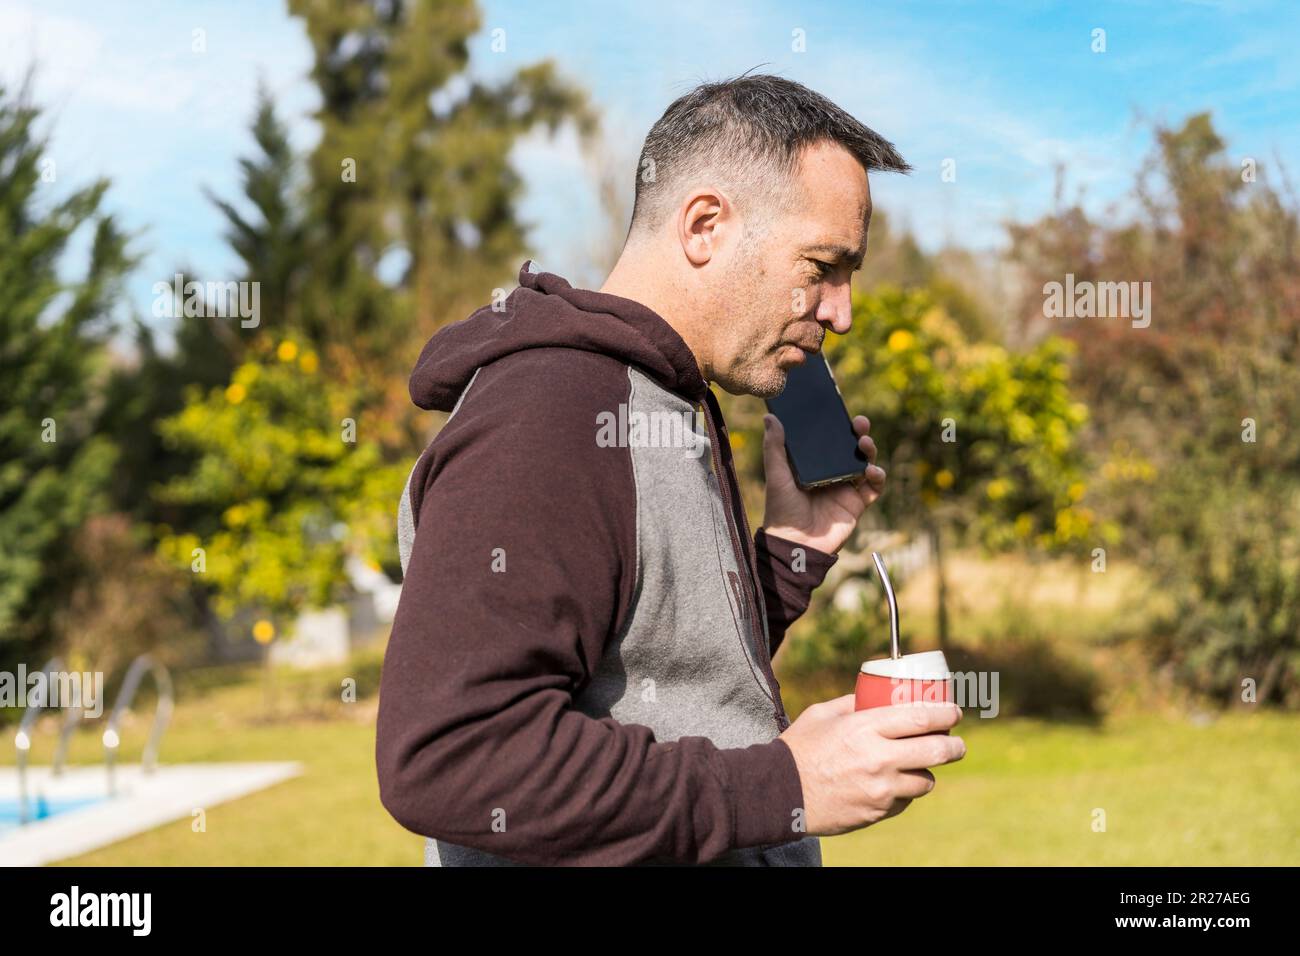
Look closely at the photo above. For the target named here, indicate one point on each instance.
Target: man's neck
(634, 284)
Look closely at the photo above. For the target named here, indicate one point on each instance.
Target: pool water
(41, 808)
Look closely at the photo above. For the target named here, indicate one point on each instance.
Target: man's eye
(823, 268)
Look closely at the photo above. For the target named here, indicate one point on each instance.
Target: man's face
(790, 279)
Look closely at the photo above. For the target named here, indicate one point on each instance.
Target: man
(580, 666)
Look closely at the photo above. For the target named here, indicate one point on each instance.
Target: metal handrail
(75, 714)
(27, 727)
(130, 684)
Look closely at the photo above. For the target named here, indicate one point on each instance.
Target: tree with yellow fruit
(979, 441)
(284, 486)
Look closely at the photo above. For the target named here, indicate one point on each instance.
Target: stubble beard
(757, 373)
(766, 379)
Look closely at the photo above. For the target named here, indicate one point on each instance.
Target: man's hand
(822, 518)
(858, 768)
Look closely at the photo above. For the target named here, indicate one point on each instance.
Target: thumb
(774, 461)
(845, 704)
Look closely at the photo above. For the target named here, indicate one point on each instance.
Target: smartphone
(819, 437)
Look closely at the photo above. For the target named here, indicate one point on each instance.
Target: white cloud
(73, 59)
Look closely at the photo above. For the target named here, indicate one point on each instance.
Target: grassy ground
(1174, 792)
(1177, 787)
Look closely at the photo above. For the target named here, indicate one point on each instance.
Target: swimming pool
(41, 808)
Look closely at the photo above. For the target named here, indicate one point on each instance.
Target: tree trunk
(268, 682)
(941, 586)
(1264, 690)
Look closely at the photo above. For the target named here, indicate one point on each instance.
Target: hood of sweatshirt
(547, 312)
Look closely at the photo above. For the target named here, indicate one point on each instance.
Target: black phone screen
(819, 437)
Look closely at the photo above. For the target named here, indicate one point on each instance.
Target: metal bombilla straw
(894, 652)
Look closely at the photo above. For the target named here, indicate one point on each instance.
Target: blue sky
(1005, 89)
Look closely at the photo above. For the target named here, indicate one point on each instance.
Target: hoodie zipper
(743, 557)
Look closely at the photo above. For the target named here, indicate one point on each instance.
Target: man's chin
(771, 384)
(767, 383)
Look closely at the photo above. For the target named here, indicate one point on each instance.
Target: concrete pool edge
(146, 801)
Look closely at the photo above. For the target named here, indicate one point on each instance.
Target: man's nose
(836, 308)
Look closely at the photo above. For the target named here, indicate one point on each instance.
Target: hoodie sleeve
(522, 568)
(789, 574)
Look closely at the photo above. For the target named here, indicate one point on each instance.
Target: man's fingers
(909, 720)
(873, 476)
(899, 806)
(868, 446)
(915, 783)
(931, 750)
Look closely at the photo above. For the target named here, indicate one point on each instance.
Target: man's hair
(749, 132)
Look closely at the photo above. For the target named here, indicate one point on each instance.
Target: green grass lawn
(1174, 794)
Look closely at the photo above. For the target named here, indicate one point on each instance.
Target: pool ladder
(23, 739)
(112, 738)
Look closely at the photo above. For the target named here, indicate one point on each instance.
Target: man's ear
(705, 216)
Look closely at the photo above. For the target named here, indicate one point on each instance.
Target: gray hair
(750, 132)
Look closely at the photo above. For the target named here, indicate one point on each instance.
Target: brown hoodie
(580, 666)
